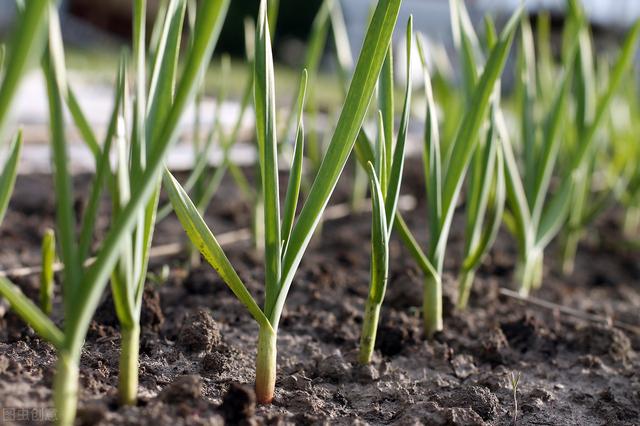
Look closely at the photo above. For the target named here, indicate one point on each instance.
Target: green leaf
(162, 85)
(620, 68)
(122, 276)
(392, 194)
(31, 314)
(554, 216)
(9, 174)
(494, 213)
(315, 48)
(344, 56)
(490, 33)
(467, 136)
(295, 175)
(386, 106)
(516, 195)
(274, 8)
(380, 163)
(25, 47)
(526, 88)
(481, 176)
(467, 45)
(138, 132)
(55, 76)
(431, 152)
(379, 241)
(265, 106)
(351, 118)
(82, 123)
(203, 239)
(103, 172)
(84, 303)
(550, 147)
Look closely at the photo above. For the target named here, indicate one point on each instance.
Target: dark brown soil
(198, 343)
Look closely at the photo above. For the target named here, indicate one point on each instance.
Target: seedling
(82, 286)
(386, 178)
(286, 242)
(445, 174)
(535, 216)
(514, 380)
(485, 195)
(601, 179)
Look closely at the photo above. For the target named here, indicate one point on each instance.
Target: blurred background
(87, 22)
(96, 31)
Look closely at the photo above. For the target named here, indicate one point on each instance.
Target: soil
(198, 343)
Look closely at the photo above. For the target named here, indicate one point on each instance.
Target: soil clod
(239, 405)
(182, 389)
(199, 333)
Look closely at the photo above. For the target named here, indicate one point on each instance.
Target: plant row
(546, 161)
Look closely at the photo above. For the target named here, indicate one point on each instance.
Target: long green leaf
(495, 212)
(31, 313)
(379, 241)
(25, 48)
(351, 118)
(295, 175)
(265, 106)
(551, 145)
(208, 25)
(467, 136)
(397, 161)
(9, 173)
(162, 85)
(481, 176)
(82, 123)
(516, 195)
(462, 147)
(431, 152)
(103, 173)
(620, 68)
(386, 104)
(207, 244)
(315, 48)
(53, 66)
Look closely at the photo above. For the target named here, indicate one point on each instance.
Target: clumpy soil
(198, 343)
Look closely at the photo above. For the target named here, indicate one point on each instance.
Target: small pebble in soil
(199, 333)
(182, 389)
(239, 405)
(463, 366)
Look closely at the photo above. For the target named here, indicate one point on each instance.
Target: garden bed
(198, 342)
